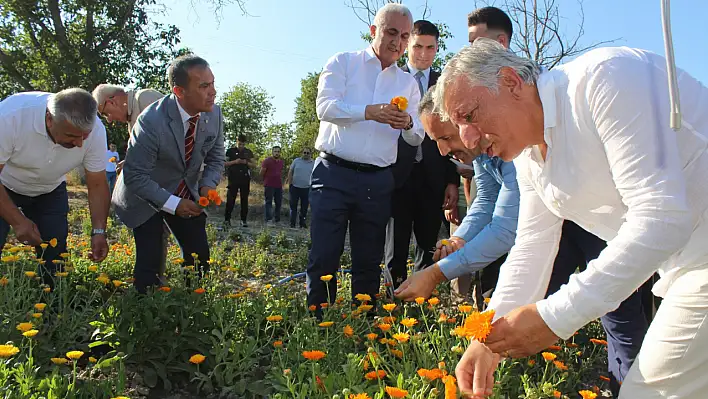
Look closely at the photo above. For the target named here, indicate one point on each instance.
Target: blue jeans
(48, 212)
(111, 176)
(342, 198)
(301, 195)
(625, 326)
(273, 194)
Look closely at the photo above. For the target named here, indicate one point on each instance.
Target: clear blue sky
(283, 40)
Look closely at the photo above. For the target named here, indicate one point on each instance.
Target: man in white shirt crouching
(352, 182)
(44, 136)
(591, 143)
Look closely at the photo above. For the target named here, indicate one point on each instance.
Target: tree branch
(118, 26)
(59, 29)
(8, 63)
(52, 65)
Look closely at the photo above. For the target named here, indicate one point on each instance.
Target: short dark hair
(277, 146)
(178, 72)
(427, 28)
(241, 138)
(493, 17)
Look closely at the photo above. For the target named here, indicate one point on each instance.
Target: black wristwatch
(98, 231)
(410, 124)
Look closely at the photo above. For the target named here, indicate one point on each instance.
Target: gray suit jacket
(154, 163)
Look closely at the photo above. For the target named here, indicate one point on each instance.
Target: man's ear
(511, 81)
(372, 30)
(178, 91)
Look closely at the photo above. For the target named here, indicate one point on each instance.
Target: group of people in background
(539, 173)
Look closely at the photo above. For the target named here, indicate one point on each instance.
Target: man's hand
(420, 284)
(388, 114)
(475, 371)
(451, 197)
(99, 248)
(119, 167)
(522, 332)
(445, 247)
(452, 216)
(466, 173)
(187, 209)
(27, 232)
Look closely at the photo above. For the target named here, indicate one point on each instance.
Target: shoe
(227, 224)
(302, 226)
(244, 224)
(292, 225)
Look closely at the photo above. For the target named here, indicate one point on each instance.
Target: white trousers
(673, 360)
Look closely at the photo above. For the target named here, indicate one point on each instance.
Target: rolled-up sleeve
(330, 94)
(489, 228)
(623, 100)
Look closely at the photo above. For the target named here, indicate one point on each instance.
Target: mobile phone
(460, 164)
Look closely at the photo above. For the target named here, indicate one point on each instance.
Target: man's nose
(470, 136)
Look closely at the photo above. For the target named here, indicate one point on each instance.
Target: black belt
(359, 167)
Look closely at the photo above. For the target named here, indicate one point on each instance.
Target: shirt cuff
(171, 204)
(449, 267)
(358, 113)
(559, 315)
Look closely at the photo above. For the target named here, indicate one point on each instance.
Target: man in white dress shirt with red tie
(352, 181)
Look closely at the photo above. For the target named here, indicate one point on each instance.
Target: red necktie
(182, 190)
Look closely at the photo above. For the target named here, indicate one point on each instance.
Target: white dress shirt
(34, 164)
(424, 80)
(615, 168)
(348, 83)
(171, 205)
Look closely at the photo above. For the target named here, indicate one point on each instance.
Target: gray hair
(75, 106)
(480, 63)
(427, 103)
(105, 91)
(391, 8)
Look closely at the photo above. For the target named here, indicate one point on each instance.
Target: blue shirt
(489, 228)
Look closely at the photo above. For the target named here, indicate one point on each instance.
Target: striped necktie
(419, 78)
(182, 190)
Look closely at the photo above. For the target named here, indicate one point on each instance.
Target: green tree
(247, 110)
(51, 45)
(283, 135)
(307, 125)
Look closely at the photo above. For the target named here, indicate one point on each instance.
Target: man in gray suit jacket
(160, 180)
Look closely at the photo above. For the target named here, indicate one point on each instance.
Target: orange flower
(572, 345)
(560, 365)
(197, 359)
(53, 242)
(212, 195)
(348, 331)
(531, 362)
(606, 379)
(389, 307)
(450, 387)
(554, 348)
(374, 375)
(217, 201)
(359, 396)
(396, 392)
(477, 326)
(326, 324)
(598, 341)
(401, 337)
(401, 102)
(548, 356)
(420, 300)
(274, 318)
(312, 308)
(388, 319)
(384, 327)
(397, 353)
(409, 322)
(313, 355)
(199, 291)
(371, 336)
(203, 201)
(278, 344)
(363, 297)
(465, 308)
(587, 394)
(433, 301)
(556, 394)
(165, 289)
(432, 374)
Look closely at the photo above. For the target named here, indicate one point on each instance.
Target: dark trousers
(111, 177)
(273, 194)
(48, 212)
(244, 187)
(625, 326)
(415, 209)
(191, 238)
(342, 197)
(302, 196)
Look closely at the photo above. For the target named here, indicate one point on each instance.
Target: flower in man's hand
(401, 102)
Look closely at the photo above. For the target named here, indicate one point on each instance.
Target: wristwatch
(410, 124)
(98, 231)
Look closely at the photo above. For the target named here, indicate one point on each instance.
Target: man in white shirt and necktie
(591, 143)
(352, 181)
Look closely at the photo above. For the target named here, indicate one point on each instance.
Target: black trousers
(415, 209)
(48, 212)
(235, 186)
(191, 238)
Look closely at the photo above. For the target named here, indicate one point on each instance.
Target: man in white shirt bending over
(352, 181)
(44, 136)
(591, 143)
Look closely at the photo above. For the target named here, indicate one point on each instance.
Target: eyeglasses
(102, 109)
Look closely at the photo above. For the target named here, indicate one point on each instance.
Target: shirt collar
(131, 100)
(413, 71)
(370, 55)
(547, 93)
(185, 116)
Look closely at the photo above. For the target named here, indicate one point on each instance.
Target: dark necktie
(419, 78)
(182, 190)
